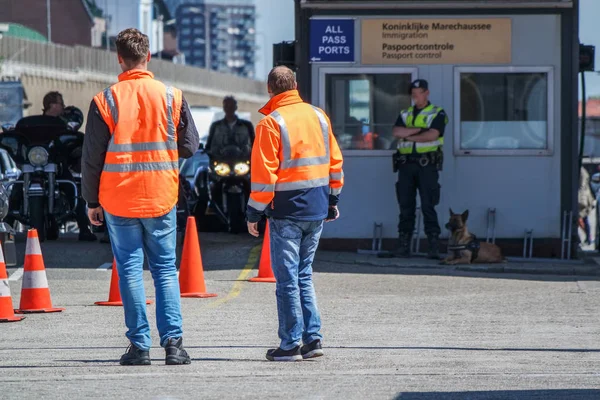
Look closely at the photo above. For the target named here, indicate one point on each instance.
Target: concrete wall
(525, 190)
(80, 73)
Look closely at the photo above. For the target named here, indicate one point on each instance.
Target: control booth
(505, 72)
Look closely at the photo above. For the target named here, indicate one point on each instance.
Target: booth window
(504, 112)
(363, 108)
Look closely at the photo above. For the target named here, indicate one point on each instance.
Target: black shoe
(403, 250)
(87, 236)
(135, 356)
(312, 349)
(434, 248)
(175, 353)
(284, 355)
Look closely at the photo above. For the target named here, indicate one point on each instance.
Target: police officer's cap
(419, 83)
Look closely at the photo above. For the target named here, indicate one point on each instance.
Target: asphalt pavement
(401, 329)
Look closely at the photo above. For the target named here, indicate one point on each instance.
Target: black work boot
(135, 356)
(434, 247)
(175, 354)
(403, 249)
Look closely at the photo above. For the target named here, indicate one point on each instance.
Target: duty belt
(422, 159)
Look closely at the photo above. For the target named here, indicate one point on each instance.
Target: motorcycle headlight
(38, 156)
(241, 168)
(222, 169)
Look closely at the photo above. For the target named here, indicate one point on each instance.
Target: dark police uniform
(418, 166)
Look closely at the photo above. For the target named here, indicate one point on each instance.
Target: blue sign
(331, 40)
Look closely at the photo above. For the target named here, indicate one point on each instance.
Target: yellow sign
(436, 41)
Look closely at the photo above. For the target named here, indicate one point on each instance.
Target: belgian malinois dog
(464, 248)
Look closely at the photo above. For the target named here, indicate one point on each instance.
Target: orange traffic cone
(7, 314)
(114, 295)
(265, 272)
(191, 272)
(35, 293)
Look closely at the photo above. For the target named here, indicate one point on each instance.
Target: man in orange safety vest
(296, 179)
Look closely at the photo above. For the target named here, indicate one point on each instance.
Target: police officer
(420, 134)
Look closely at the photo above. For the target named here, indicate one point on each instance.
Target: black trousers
(413, 177)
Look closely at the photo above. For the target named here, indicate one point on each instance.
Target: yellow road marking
(242, 277)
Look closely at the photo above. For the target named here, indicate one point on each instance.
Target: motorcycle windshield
(41, 129)
(231, 154)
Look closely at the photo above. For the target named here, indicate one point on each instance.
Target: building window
(363, 107)
(503, 111)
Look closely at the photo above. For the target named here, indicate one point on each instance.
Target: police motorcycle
(222, 188)
(45, 148)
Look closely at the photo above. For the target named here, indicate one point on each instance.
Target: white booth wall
(523, 188)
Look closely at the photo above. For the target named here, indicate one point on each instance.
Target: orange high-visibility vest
(140, 178)
(308, 153)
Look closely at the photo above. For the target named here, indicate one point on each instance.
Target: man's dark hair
(51, 98)
(281, 79)
(229, 98)
(132, 45)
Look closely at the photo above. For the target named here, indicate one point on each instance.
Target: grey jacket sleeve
(188, 139)
(95, 145)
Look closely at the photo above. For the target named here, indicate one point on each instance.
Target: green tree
(96, 11)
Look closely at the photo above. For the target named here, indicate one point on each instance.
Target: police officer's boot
(434, 247)
(403, 249)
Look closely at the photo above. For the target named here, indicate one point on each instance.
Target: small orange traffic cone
(191, 272)
(265, 272)
(114, 295)
(35, 293)
(7, 314)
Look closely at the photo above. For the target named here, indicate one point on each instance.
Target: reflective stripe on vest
(288, 162)
(170, 144)
(423, 121)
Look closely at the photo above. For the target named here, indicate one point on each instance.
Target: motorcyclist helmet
(74, 117)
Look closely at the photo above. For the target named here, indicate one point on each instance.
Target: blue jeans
(130, 238)
(293, 247)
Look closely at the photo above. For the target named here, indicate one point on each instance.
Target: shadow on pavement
(563, 394)
(377, 348)
(325, 266)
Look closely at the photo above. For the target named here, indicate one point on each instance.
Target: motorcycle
(223, 188)
(46, 148)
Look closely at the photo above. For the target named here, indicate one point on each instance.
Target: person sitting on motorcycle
(230, 130)
(54, 106)
(53, 103)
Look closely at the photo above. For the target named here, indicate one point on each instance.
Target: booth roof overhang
(421, 4)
